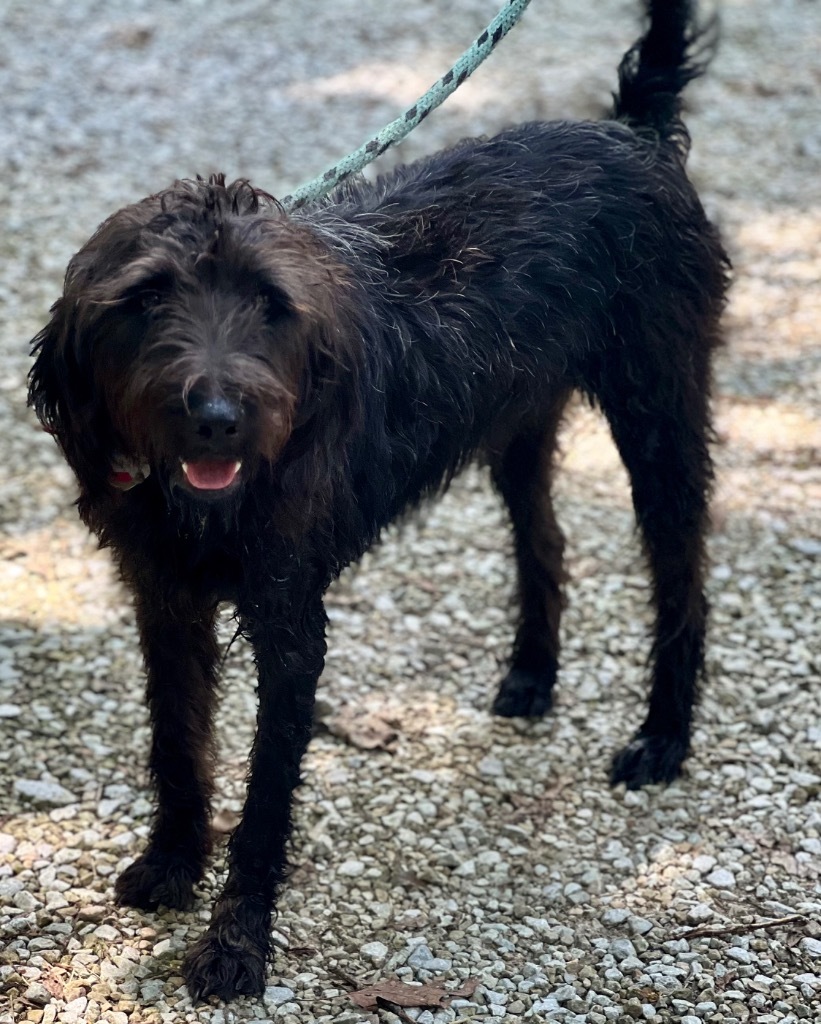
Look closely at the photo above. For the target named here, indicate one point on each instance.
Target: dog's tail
(653, 73)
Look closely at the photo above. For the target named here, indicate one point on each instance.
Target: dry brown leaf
(52, 984)
(400, 993)
(368, 730)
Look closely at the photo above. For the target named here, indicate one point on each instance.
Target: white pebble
(721, 878)
(351, 868)
(376, 952)
(277, 995)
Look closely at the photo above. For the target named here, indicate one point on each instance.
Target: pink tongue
(211, 474)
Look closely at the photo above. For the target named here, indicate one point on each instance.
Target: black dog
(247, 397)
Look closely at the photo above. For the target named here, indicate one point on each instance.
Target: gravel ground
(490, 856)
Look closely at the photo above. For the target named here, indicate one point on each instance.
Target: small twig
(385, 1004)
(302, 951)
(344, 976)
(707, 931)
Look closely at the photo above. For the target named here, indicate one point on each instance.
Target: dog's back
(527, 258)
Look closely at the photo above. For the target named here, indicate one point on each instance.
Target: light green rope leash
(404, 125)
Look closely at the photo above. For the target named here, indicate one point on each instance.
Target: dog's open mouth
(211, 474)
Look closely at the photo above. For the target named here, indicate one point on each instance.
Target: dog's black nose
(214, 417)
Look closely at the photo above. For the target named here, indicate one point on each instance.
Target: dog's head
(197, 331)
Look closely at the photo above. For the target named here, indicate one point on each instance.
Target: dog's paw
(648, 759)
(153, 880)
(225, 967)
(524, 694)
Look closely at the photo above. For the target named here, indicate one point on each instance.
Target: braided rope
(404, 125)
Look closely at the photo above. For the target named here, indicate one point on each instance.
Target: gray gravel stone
(743, 956)
(700, 913)
(376, 952)
(421, 958)
(37, 994)
(277, 995)
(9, 887)
(43, 793)
(721, 878)
(615, 916)
(150, 991)
(621, 948)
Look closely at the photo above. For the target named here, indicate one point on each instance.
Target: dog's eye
(142, 300)
(274, 303)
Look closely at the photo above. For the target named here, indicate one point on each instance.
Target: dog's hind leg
(181, 654)
(231, 958)
(659, 417)
(522, 472)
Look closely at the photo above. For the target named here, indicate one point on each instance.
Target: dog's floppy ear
(64, 389)
(62, 392)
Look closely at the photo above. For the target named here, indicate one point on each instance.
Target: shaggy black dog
(248, 397)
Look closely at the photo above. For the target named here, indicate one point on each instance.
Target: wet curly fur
(295, 381)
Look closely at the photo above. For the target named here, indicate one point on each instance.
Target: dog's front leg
(180, 650)
(230, 959)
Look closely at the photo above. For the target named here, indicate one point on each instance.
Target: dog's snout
(215, 417)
